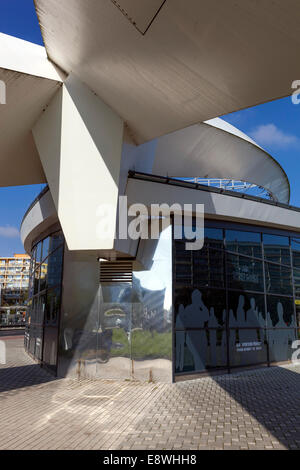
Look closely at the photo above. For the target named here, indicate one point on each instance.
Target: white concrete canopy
(163, 66)
(79, 139)
(214, 149)
(29, 82)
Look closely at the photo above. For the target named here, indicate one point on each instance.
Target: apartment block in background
(14, 280)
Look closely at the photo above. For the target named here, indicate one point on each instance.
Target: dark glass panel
(46, 246)
(245, 243)
(244, 273)
(213, 238)
(247, 347)
(43, 275)
(246, 310)
(53, 306)
(57, 239)
(200, 350)
(208, 268)
(278, 279)
(183, 266)
(295, 243)
(298, 316)
(296, 273)
(181, 254)
(50, 348)
(33, 310)
(280, 344)
(194, 308)
(276, 249)
(38, 342)
(39, 248)
(55, 262)
(32, 334)
(41, 307)
(281, 312)
(36, 281)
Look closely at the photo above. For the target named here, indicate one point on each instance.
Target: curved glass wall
(236, 301)
(117, 316)
(41, 335)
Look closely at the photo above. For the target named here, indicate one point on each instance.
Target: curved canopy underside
(216, 149)
(165, 65)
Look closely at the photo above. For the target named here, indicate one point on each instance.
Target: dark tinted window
(246, 243)
(244, 273)
(276, 249)
(295, 243)
(281, 313)
(278, 279)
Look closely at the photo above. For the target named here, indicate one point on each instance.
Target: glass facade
(235, 301)
(43, 316)
(119, 328)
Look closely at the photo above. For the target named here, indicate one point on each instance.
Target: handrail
(176, 182)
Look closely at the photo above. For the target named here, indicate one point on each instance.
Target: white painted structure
(77, 108)
(79, 140)
(123, 87)
(163, 66)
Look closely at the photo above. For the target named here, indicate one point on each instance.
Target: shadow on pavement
(12, 378)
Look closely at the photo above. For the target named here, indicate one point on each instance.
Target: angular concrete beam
(79, 140)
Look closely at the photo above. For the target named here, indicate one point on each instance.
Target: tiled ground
(250, 410)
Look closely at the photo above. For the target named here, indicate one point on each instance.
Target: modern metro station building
(95, 127)
(152, 310)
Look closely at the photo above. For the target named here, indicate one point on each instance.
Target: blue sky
(275, 126)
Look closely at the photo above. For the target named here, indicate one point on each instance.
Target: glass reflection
(213, 238)
(281, 313)
(136, 318)
(46, 246)
(254, 331)
(246, 310)
(298, 316)
(43, 275)
(208, 268)
(200, 317)
(55, 262)
(295, 244)
(44, 301)
(278, 279)
(245, 243)
(276, 249)
(244, 273)
(296, 274)
(151, 339)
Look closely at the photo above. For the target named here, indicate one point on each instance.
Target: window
(244, 273)
(276, 249)
(295, 244)
(278, 279)
(250, 292)
(44, 294)
(245, 243)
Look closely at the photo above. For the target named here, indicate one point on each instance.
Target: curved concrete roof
(165, 65)
(216, 149)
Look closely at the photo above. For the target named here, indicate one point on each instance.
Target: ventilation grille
(116, 271)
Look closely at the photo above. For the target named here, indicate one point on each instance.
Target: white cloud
(269, 134)
(9, 232)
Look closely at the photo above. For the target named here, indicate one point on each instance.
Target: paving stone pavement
(250, 410)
